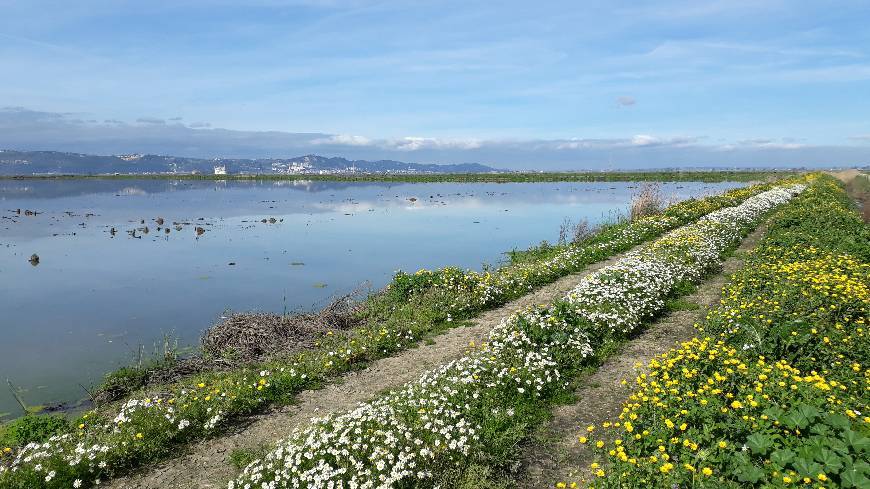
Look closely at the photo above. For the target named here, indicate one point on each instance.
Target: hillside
(54, 162)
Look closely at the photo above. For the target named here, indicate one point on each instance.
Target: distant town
(13, 162)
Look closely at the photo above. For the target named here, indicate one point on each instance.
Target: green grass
(31, 428)
(777, 395)
(408, 318)
(241, 457)
(681, 304)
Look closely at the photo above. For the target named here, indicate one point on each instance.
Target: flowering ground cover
(147, 428)
(773, 392)
(472, 410)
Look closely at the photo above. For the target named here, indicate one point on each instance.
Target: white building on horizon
(220, 169)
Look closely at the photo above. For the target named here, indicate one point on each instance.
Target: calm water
(94, 297)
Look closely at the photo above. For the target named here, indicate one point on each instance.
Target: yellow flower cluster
(778, 370)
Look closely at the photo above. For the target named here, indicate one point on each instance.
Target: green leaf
(829, 460)
(852, 478)
(782, 457)
(774, 413)
(807, 467)
(758, 443)
(795, 420)
(857, 441)
(748, 473)
(837, 421)
(809, 412)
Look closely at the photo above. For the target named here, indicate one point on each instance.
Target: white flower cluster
(438, 419)
(619, 297)
(471, 290)
(519, 359)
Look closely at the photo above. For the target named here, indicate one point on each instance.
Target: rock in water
(34, 259)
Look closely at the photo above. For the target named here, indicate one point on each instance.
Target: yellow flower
(599, 444)
(786, 479)
(821, 477)
(561, 485)
(139, 436)
(599, 473)
(723, 444)
(707, 471)
(583, 439)
(201, 385)
(81, 426)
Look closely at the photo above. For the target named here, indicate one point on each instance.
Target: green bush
(32, 429)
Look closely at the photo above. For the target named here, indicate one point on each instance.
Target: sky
(513, 84)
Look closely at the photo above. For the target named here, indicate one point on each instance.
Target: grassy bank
(149, 427)
(773, 390)
(465, 415)
(621, 176)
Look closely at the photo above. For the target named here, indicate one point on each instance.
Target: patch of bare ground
(858, 188)
(554, 453)
(206, 464)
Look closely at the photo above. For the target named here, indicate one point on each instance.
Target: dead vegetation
(570, 232)
(240, 339)
(647, 202)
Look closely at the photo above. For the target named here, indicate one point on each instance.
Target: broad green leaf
(782, 457)
(758, 443)
(829, 460)
(748, 473)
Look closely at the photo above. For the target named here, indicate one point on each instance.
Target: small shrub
(32, 429)
(647, 202)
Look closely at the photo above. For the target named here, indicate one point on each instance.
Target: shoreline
(522, 177)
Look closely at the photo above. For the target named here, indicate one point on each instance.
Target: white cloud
(414, 143)
(644, 140)
(639, 140)
(343, 140)
(863, 138)
(34, 130)
(626, 101)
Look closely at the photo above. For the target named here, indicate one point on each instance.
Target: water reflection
(120, 262)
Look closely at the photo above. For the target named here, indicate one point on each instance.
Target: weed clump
(647, 202)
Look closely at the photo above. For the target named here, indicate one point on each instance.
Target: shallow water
(94, 297)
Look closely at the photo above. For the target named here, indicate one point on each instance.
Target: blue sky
(549, 84)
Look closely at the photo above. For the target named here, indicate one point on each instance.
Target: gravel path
(205, 465)
(554, 454)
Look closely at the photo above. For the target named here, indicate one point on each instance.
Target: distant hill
(54, 162)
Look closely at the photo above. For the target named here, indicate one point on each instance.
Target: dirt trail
(554, 454)
(858, 188)
(205, 465)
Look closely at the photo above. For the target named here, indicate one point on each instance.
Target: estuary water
(121, 263)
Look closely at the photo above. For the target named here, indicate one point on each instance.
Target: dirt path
(858, 188)
(554, 454)
(205, 465)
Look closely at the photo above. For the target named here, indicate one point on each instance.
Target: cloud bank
(25, 129)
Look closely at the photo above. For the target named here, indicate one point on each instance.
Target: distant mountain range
(59, 163)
